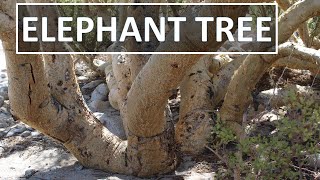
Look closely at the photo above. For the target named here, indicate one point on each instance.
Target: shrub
(282, 154)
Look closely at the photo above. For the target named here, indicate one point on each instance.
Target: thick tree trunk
(193, 128)
(146, 106)
(47, 97)
(60, 116)
(290, 55)
(120, 69)
(137, 62)
(222, 79)
(54, 106)
(195, 122)
(239, 90)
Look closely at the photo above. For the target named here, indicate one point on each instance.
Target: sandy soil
(27, 154)
(41, 158)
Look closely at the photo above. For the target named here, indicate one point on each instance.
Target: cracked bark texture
(136, 61)
(119, 69)
(290, 55)
(44, 94)
(197, 94)
(53, 105)
(194, 126)
(56, 108)
(239, 90)
(303, 29)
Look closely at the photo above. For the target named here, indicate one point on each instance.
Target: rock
(30, 172)
(276, 97)
(4, 111)
(6, 108)
(25, 134)
(102, 67)
(19, 147)
(207, 176)
(29, 128)
(6, 120)
(88, 88)
(98, 115)
(3, 76)
(4, 92)
(35, 134)
(113, 98)
(98, 62)
(3, 125)
(3, 132)
(19, 128)
(1, 101)
(78, 166)
(10, 133)
(86, 97)
(15, 130)
(82, 78)
(100, 93)
(113, 122)
(313, 160)
(99, 106)
(267, 116)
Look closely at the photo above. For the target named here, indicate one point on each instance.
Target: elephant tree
(44, 92)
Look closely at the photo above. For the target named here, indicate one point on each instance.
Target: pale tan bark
(64, 117)
(277, 98)
(194, 126)
(303, 29)
(121, 72)
(7, 17)
(296, 63)
(89, 61)
(60, 116)
(289, 22)
(137, 62)
(222, 79)
(238, 94)
(120, 66)
(290, 55)
(150, 137)
(56, 108)
(146, 107)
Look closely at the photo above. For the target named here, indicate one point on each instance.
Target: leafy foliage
(314, 27)
(89, 43)
(262, 11)
(281, 154)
